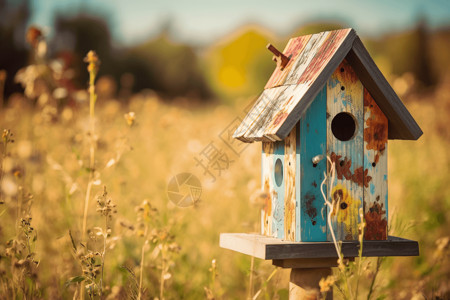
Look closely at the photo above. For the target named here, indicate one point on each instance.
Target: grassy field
(46, 171)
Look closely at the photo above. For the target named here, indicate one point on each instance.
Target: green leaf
(73, 242)
(75, 279)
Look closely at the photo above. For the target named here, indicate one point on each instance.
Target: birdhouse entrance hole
(343, 126)
(278, 172)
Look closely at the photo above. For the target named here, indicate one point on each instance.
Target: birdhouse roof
(312, 60)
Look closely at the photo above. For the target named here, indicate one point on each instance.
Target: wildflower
(33, 36)
(105, 206)
(17, 174)
(93, 62)
(25, 225)
(326, 283)
(130, 118)
(145, 211)
(6, 136)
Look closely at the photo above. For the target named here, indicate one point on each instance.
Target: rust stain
(376, 224)
(279, 117)
(345, 73)
(311, 211)
(314, 184)
(289, 218)
(267, 208)
(377, 158)
(376, 132)
(360, 177)
(342, 166)
(268, 200)
(289, 225)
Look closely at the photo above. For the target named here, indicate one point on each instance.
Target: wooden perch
(281, 59)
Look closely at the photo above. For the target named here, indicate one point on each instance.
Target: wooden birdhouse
(324, 120)
(326, 108)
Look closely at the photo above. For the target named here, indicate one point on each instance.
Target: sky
(203, 21)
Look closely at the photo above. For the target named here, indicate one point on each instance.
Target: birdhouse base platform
(266, 247)
(311, 261)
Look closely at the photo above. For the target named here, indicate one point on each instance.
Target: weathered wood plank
(272, 248)
(279, 175)
(293, 49)
(282, 109)
(258, 113)
(375, 163)
(331, 52)
(401, 124)
(345, 148)
(305, 57)
(313, 142)
(289, 185)
(267, 185)
(255, 133)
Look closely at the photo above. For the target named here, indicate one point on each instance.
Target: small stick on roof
(281, 59)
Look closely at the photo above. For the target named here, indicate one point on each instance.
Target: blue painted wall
(313, 141)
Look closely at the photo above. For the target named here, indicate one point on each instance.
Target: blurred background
(220, 45)
(181, 72)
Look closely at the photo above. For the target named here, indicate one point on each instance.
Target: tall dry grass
(154, 249)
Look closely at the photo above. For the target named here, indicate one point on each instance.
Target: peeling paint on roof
(313, 58)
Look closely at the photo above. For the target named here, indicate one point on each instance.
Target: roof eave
(402, 125)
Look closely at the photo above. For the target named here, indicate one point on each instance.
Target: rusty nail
(281, 59)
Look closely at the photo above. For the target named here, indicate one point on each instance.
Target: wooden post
(306, 275)
(304, 283)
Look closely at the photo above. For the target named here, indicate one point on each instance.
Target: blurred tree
(316, 27)
(13, 51)
(172, 68)
(76, 35)
(159, 64)
(240, 64)
(407, 51)
(423, 64)
(439, 48)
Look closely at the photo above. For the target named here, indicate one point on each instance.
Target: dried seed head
(93, 61)
(130, 118)
(7, 136)
(34, 35)
(105, 206)
(326, 283)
